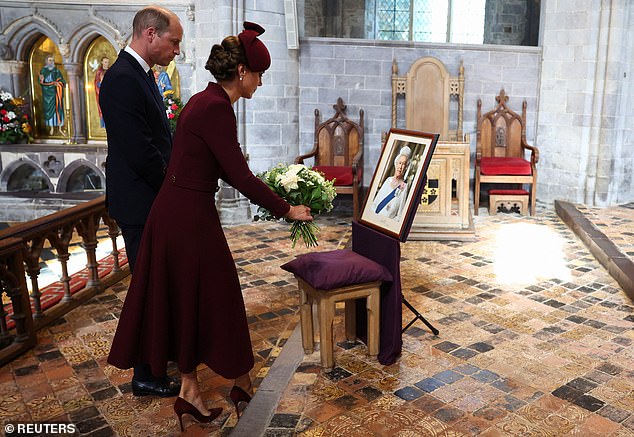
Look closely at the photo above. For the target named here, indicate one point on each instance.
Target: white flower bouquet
(299, 185)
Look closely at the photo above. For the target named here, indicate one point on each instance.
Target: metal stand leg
(417, 316)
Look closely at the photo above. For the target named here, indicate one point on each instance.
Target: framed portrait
(398, 181)
(99, 57)
(48, 81)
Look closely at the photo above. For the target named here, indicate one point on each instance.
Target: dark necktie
(150, 74)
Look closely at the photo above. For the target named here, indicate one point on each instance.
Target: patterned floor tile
(530, 340)
(535, 339)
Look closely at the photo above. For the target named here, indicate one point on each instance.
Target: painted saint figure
(391, 198)
(163, 81)
(101, 70)
(52, 83)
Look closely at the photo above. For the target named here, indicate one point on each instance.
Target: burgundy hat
(258, 58)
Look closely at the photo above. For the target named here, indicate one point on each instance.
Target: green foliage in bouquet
(173, 108)
(299, 185)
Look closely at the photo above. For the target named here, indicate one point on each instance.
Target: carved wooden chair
(429, 88)
(434, 103)
(501, 153)
(338, 152)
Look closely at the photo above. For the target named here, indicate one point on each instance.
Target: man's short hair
(151, 16)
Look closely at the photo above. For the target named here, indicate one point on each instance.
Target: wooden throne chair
(501, 150)
(431, 97)
(338, 152)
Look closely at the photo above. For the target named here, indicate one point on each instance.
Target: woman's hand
(299, 212)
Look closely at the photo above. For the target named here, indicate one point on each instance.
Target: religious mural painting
(99, 57)
(168, 83)
(167, 80)
(49, 91)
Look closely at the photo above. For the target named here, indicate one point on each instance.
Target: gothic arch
(83, 36)
(10, 169)
(25, 31)
(70, 169)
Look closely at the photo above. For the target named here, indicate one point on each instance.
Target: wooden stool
(508, 201)
(325, 301)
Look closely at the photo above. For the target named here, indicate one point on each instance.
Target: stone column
(215, 19)
(78, 114)
(268, 127)
(14, 77)
(19, 77)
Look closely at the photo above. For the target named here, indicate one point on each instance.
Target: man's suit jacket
(139, 140)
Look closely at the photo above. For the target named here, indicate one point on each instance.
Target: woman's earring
(241, 77)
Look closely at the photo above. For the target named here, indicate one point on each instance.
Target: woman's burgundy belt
(194, 184)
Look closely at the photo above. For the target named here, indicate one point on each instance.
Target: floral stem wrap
(299, 185)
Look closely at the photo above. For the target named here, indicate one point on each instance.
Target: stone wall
(267, 124)
(359, 71)
(335, 18)
(511, 22)
(578, 83)
(585, 111)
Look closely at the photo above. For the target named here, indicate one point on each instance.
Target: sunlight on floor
(52, 272)
(527, 253)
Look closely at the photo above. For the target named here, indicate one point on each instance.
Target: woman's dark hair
(224, 58)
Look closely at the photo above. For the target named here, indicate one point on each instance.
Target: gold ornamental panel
(49, 91)
(99, 57)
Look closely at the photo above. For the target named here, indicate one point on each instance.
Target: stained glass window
(459, 21)
(392, 18)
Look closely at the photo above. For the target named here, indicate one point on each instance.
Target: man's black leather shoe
(166, 388)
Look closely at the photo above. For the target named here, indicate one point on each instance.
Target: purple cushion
(337, 268)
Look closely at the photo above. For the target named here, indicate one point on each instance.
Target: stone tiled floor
(535, 339)
(66, 377)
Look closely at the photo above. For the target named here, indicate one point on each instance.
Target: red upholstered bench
(508, 201)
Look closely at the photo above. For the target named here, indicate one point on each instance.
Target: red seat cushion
(505, 166)
(509, 192)
(342, 175)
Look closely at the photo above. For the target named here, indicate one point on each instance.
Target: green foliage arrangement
(299, 185)
(173, 108)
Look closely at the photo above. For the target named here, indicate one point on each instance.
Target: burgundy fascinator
(258, 57)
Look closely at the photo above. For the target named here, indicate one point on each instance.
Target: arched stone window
(25, 176)
(79, 176)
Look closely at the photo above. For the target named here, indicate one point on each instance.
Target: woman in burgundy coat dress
(185, 285)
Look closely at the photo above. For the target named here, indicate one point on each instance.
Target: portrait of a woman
(391, 197)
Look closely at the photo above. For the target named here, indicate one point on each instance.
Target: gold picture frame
(99, 57)
(48, 96)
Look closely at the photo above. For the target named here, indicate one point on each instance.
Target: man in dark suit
(139, 143)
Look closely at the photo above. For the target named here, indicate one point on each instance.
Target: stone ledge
(618, 265)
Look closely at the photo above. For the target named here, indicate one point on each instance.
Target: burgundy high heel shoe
(239, 396)
(181, 406)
